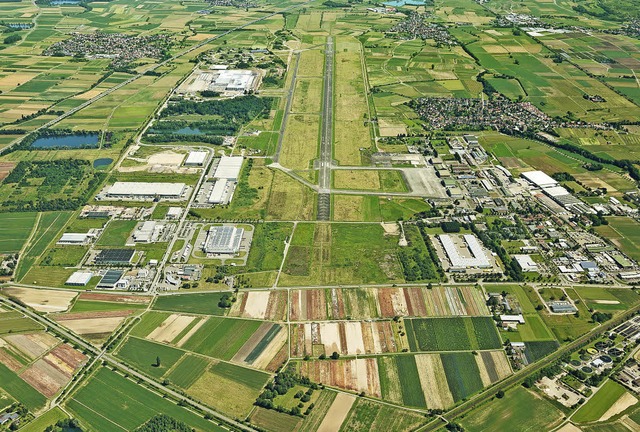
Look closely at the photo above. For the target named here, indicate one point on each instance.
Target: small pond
(102, 162)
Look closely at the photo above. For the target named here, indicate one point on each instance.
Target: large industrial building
(75, 238)
(196, 159)
(79, 278)
(146, 190)
(220, 79)
(223, 240)
(229, 168)
(553, 190)
(221, 192)
(467, 255)
(147, 232)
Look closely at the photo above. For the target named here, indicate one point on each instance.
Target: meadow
(20, 390)
(205, 303)
(601, 401)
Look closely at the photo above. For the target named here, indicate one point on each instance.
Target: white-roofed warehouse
(229, 168)
(223, 240)
(196, 158)
(539, 179)
(145, 190)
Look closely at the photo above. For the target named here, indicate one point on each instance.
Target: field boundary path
(326, 136)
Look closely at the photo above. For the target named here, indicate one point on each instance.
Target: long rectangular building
(229, 168)
(478, 257)
(146, 190)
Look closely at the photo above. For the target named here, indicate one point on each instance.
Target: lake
(67, 141)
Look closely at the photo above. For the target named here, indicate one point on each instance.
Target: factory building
(146, 190)
(469, 255)
(79, 278)
(75, 239)
(196, 159)
(233, 80)
(223, 240)
(147, 232)
(221, 192)
(229, 168)
(539, 179)
(557, 193)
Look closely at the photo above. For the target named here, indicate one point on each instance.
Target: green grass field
(624, 233)
(206, 303)
(143, 355)
(109, 402)
(452, 334)
(116, 233)
(601, 401)
(20, 390)
(221, 337)
(462, 374)
(49, 418)
(14, 230)
(366, 415)
(187, 371)
(513, 413)
(98, 306)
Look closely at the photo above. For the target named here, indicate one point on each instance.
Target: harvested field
(266, 305)
(359, 375)
(345, 338)
(279, 358)
(117, 298)
(493, 366)
(257, 343)
(337, 412)
(93, 325)
(32, 345)
(67, 357)
(170, 328)
(625, 401)
(366, 303)
(45, 377)
(5, 169)
(434, 381)
(92, 315)
(43, 300)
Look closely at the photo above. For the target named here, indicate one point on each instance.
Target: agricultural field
(35, 365)
(435, 381)
(366, 303)
(514, 411)
(622, 232)
(452, 334)
(131, 405)
(15, 229)
(263, 305)
(597, 408)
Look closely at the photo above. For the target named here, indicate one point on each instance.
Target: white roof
(223, 239)
(478, 259)
(525, 262)
(73, 238)
(146, 189)
(229, 167)
(174, 211)
(196, 158)
(517, 318)
(556, 191)
(79, 278)
(539, 178)
(217, 194)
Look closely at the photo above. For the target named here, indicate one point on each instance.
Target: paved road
(152, 68)
(287, 108)
(115, 362)
(326, 136)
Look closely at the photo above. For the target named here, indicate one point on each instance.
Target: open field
(42, 300)
(624, 234)
(514, 412)
(374, 180)
(129, 406)
(14, 230)
(326, 254)
(366, 415)
(206, 304)
(600, 403)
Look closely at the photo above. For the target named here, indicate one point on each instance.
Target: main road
(326, 136)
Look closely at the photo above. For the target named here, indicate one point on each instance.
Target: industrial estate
(310, 215)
